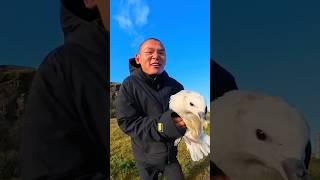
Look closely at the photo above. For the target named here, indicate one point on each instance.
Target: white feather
(191, 107)
(256, 136)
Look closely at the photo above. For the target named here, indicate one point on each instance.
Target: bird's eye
(261, 135)
(191, 104)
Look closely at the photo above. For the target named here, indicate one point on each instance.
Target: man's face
(152, 57)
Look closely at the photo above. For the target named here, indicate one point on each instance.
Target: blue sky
(29, 30)
(182, 26)
(272, 46)
(30, 33)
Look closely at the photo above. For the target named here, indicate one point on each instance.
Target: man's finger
(181, 124)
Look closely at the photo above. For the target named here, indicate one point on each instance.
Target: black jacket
(142, 103)
(65, 133)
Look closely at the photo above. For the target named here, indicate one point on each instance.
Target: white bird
(191, 107)
(258, 136)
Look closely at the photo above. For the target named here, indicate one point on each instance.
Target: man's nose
(155, 55)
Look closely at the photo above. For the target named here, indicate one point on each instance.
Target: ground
(123, 164)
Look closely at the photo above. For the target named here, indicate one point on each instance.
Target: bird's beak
(294, 169)
(202, 115)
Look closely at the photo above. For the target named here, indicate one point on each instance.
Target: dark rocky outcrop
(15, 82)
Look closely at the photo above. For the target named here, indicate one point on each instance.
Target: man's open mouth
(156, 65)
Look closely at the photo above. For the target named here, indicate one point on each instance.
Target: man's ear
(104, 9)
(90, 4)
(137, 58)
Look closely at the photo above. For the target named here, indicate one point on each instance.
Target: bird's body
(191, 107)
(258, 137)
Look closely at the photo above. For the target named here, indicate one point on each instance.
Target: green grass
(314, 169)
(123, 164)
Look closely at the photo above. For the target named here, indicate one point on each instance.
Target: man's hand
(178, 120)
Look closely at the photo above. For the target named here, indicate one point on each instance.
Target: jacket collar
(155, 81)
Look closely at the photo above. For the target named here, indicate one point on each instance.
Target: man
(143, 114)
(65, 124)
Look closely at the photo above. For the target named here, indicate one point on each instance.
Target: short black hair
(151, 38)
(78, 8)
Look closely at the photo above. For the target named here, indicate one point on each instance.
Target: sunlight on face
(152, 57)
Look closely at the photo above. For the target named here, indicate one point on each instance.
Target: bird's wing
(199, 149)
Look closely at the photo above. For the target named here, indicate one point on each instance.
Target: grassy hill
(314, 170)
(123, 164)
(15, 82)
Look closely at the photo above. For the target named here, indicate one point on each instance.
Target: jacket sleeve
(147, 128)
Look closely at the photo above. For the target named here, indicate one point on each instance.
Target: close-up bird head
(261, 134)
(188, 103)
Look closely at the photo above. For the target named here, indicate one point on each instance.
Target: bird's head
(188, 103)
(263, 131)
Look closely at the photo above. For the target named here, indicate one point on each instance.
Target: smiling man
(150, 64)
(143, 113)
